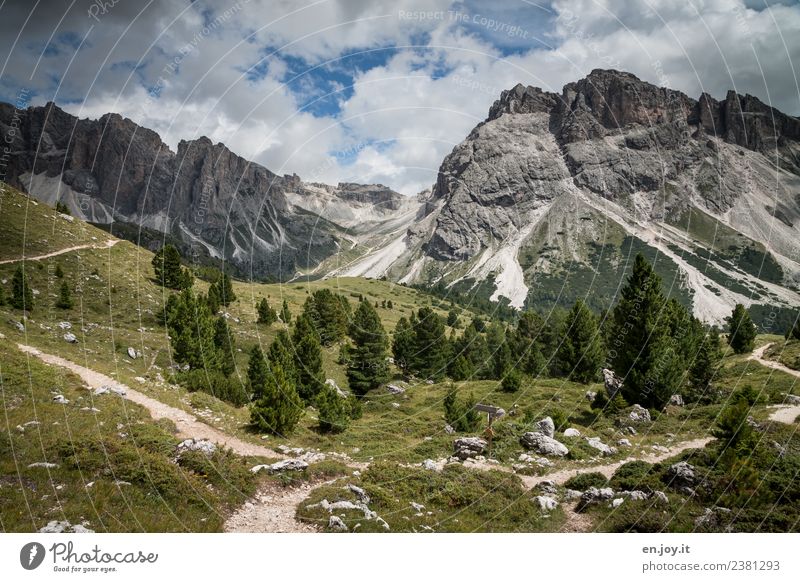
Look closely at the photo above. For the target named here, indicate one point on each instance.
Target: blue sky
(373, 91)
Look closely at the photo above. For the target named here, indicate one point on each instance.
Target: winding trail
(272, 510)
(188, 426)
(785, 413)
(107, 245)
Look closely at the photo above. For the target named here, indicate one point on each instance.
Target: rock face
(543, 444)
(212, 201)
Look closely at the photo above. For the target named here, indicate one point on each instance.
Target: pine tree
(526, 343)
(257, 370)
(168, 269)
(286, 315)
(59, 272)
(511, 382)
(430, 349)
(276, 407)
(330, 313)
(266, 314)
(472, 349)
(641, 349)
(226, 346)
(705, 365)
(741, 330)
(191, 328)
(21, 294)
(462, 416)
(452, 318)
(307, 358)
(367, 369)
(213, 298)
(403, 345)
(460, 369)
(794, 331)
(64, 299)
(281, 352)
(581, 353)
(333, 410)
(2, 296)
(225, 289)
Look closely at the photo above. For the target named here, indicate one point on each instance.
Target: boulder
(468, 447)
(572, 432)
(545, 503)
(792, 399)
(546, 427)
(336, 524)
(624, 443)
(395, 389)
(639, 414)
(449, 429)
(637, 495)
(543, 444)
(132, 353)
(202, 445)
(617, 502)
(682, 476)
(661, 497)
(596, 443)
(594, 495)
(612, 382)
(676, 400)
(288, 465)
(590, 396)
(70, 338)
(359, 493)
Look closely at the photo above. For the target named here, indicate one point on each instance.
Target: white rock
(64, 325)
(43, 465)
(546, 427)
(395, 389)
(336, 524)
(70, 337)
(59, 398)
(596, 443)
(572, 432)
(543, 444)
(131, 353)
(624, 443)
(204, 446)
(545, 503)
(617, 502)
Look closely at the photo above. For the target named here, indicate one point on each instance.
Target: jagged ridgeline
(549, 199)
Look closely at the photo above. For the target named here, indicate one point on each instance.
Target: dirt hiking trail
(107, 245)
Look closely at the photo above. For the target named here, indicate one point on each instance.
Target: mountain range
(545, 201)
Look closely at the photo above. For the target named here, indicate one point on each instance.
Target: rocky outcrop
(543, 444)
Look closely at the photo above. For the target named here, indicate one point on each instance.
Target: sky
(372, 91)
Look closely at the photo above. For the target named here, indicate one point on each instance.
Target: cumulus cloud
(374, 91)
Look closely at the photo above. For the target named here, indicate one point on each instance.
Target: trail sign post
(492, 412)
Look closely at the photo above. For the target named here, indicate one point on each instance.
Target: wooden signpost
(492, 412)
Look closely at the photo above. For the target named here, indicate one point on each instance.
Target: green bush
(584, 481)
(462, 416)
(511, 382)
(635, 475)
(227, 388)
(333, 410)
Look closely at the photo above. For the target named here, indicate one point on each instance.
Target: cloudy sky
(372, 90)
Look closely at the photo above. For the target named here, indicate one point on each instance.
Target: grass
(114, 467)
(787, 352)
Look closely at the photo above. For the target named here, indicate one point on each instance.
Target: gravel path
(785, 413)
(107, 245)
(188, 426)
(273, 510)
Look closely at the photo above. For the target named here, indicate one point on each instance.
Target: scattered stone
(545, 503)
(332, 383)
(469, 447)
(711, 516)
(639, 414)
(131, 353)
(637, 495)
(120, 483)
(682, 476)
(630, 430)
(285, 465)
(594, 495)
(336, 524)
(417, 506)
(624, 443)
(792, 399)
(360, 493)
(612, 382)
(590, 396)
(617, 502)
(59, 398)
(596, 443)
(543, 444)
(572, 494)
(660, 448)
(547, 486)
(395, 389)
(429, 465)
(395, 405)
(449, 429)
(546, 427)
(20, 327)
(70, 338)
(139, 379)
(65, 325)
(676, 400)
(204, 446)
(572, 432)
(43, 465)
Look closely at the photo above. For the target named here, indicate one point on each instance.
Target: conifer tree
(333, 410)
(286, 315)
(225, 289)
(705, 365)
(367, 369)
(470, 354)
(59, 272)
(168, 269)
(307, 358)
(430, 349)
(266, 314)
(330, 313)
(64, 298)
(276, 407)
(452, 318)
(526, 343)
(741, 330)
(641, 349)
(191, 328)
(281, 352)
(581, 352)
(257, 369)
(213, 298)
(21, 293)
(226, 346)
(403, 345)
(2, 296)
